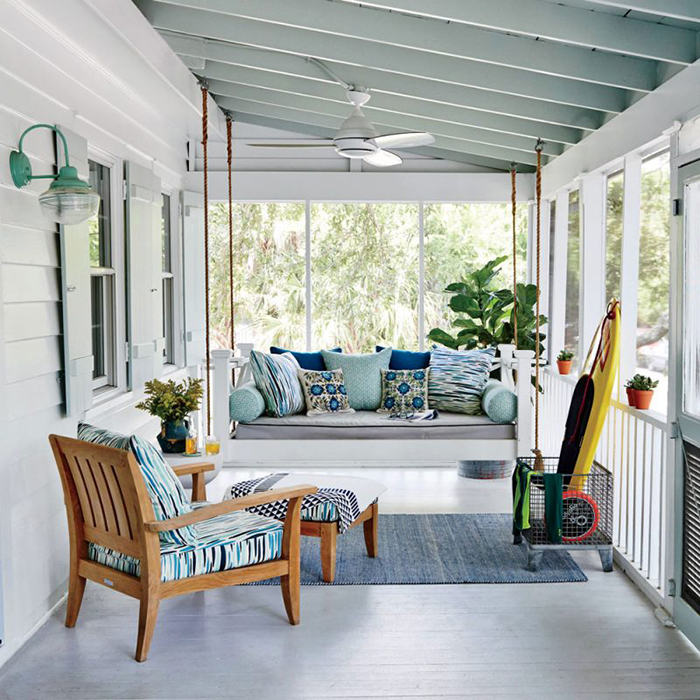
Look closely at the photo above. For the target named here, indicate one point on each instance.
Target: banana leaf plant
(486, 315)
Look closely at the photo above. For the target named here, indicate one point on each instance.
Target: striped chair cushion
(226, 542)
(167, 495)
(458, 378)
(276, 379)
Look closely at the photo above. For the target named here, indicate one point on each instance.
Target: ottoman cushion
(339, 498)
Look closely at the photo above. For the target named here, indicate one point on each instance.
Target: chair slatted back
(105, 491)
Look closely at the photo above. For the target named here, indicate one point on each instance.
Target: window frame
(167, 281)
(114, 381)
(176, 274)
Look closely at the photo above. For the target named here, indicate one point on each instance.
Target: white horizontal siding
(32, 320)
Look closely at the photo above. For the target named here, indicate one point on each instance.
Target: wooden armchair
(108, 505)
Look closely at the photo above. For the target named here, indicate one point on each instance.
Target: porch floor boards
(598, 639)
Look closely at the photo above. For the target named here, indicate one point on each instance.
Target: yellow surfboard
(591, 399)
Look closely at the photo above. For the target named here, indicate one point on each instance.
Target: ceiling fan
(358, 138)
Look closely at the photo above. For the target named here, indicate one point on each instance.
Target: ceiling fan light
(69, 200)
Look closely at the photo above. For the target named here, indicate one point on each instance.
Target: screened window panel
(654, 275)
(691, 318)
(461, 238)
(269, 274)
(573, 278)
(364, 275)
(167, 283)
(613, 234)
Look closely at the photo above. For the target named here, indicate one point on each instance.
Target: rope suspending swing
(229, 154)
(513, 171)
(205, 149)
(539, 461)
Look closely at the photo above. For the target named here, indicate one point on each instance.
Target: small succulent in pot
(641, 389)
(564, 361)
(172, 402)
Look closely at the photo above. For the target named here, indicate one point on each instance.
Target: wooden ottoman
(340, 504)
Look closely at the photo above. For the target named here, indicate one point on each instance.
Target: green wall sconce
(69, 200)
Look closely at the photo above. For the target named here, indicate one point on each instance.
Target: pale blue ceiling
(486, 77)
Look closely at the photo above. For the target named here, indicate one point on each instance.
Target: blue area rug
(425, 549)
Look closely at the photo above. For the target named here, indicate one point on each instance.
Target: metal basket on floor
(586, 512)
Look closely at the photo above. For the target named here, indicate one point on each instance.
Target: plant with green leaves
(640, 382)
(565, 356)
(489, 313)
(172, 401)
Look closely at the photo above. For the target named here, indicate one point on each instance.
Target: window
(102, 281)
(269, 279)
(364, 275)
(573, 277)
(654, 275)
(461, 238)
(167, 275)
(613, 234)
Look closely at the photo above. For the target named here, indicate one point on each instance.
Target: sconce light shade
(69, 200)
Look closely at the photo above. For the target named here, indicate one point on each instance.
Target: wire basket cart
(580, 512)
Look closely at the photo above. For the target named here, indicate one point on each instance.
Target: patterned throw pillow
(362, 376)
(277, 380)
(404, 391)
(458, 378)
(324, 392)
(167, 495)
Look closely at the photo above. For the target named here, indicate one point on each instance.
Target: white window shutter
(193, 269)
(144, 283)
(75, 282)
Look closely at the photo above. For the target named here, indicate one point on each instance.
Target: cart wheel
(580, 516)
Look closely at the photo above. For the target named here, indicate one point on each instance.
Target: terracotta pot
(631, 398)
(642, 399)
(564, 366)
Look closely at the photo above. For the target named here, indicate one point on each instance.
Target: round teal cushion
(500, 404)
(246, 403)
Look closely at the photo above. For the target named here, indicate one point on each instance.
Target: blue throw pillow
(276, 379)
(362, 375)
(306, 360)
(458, 379)
(407, 359)
(500, 404)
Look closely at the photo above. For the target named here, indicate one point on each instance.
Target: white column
(524, 359)
(592, 288)
(629, 269)
(421, 276)
(307, 228)
(221, 389)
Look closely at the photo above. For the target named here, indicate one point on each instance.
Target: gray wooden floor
(568, 641)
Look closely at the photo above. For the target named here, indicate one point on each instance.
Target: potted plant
(643, 390)
(172, 402)
(564, 360)
(630, 393)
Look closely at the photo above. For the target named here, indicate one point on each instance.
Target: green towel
(553, 505)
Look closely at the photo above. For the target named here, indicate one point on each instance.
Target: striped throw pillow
(165, 491)
(458, 379)
(276, 379)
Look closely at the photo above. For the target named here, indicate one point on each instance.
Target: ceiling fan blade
(408, 139)
(292, 145)
(383, 159)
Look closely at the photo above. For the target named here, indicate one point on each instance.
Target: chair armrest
(194, 468)
(212, 511)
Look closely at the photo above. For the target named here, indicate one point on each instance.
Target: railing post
(505, 352)
(222, 389)
(524, 360)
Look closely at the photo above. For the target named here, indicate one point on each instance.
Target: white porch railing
(634, 446)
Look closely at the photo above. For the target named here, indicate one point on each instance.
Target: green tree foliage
(364, 275)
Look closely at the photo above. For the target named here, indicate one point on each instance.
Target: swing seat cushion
(246, 403)
(500, 404)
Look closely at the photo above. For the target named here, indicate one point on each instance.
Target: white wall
(72, 63)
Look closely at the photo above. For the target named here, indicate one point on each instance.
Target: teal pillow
(276, 379)
(246, 403)
(500, 404)
(362, 375)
